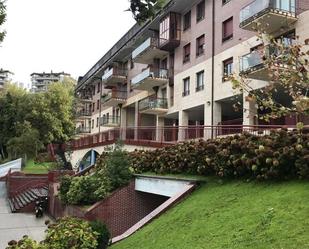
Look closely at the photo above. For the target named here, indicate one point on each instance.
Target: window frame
(198, 46)
(227, 64)
(186, 87)
(203, 11)
(224, 29)
(200, 87)
(187, 22)
(224, 2)
(186, 57)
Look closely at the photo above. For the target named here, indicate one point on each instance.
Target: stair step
(16, 203)
(29, 196)
(33, 193)
(19, 201)
(25, 198)
(12, 207)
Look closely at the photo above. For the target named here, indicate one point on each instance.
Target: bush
(65, 183)
(112, 172)
(25, 243)
(103, 233)
(71, 233)
(279, 155)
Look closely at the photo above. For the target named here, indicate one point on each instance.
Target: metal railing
(152, 103)
(259, 6)
(114, 94)
(112, 120)
(161, 136)
(150, 73)
(149, 43)
(81, 130)
(114, 71)
(83, 113)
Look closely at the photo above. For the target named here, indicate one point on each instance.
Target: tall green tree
(2, 19)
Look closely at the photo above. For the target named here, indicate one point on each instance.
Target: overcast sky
(60, 35)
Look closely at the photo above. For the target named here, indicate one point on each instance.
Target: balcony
(155, 106)
(83, 114)
(148, 51)
(149, 79)
(113, 121)
(114, 76)
(114, 98)
(254, 66)
(83, 130)
(268, 15)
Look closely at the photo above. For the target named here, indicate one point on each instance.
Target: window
(92, 125)
(99, 86)
(93, 107)
(200, 81)
(227, 68)
(200, 11)
(200, 42)
(225, 1)
(131, 64)
(187, 21)
(97, 122)
(186, 87)
(186, 53)
(227, 29)
(98, 104)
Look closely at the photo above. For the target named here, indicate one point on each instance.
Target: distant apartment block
(5, 76)
(173, 71)
(40, 81)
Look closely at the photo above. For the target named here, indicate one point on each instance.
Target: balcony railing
(260, 7)
(254, 60)
(119, 95)
(83, 113)
(150, 42)
(153, 103)
(83, 130)
(114, 71)
(150, 73)
(110, 121)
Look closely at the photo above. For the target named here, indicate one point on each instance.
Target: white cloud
(60, 35)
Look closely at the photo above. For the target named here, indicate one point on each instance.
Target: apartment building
(5, 76)
(173, 71)
(40, 81)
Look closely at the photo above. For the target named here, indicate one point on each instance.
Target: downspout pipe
(213, 67)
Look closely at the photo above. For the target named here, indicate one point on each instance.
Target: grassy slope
(32, 168)
(233, 215)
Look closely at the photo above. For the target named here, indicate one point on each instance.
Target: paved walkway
(14, 225)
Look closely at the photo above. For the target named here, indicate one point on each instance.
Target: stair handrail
(25, 187)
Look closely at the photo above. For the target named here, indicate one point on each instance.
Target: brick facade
(120, 211)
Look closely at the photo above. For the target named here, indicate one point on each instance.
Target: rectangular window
(200, 42)
(227, 29)
(92, 124)
(97, 122)
(186, 87)
(98, 104)
(227, 69)
(99, 86)
(186, 53)
(200, 81)
(93, 104)
(200, 11)
(187, 21)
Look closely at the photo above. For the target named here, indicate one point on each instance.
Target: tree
(287, 62)
(2, 19)
(144, 10)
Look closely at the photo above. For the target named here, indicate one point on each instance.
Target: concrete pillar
(250, 111)
(123, 123)
(207, 120)
(183, 123)
(136, 121)
(159, 128)
(217, 113)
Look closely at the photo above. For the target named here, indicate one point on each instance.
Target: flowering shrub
(279, 155)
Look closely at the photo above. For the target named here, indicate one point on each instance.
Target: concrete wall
(13, 166)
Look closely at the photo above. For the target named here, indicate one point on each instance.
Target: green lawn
(33, 168)
(232, 215)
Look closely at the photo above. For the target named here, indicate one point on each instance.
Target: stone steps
(27, 197)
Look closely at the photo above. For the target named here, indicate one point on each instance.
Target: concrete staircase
(26, 197)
